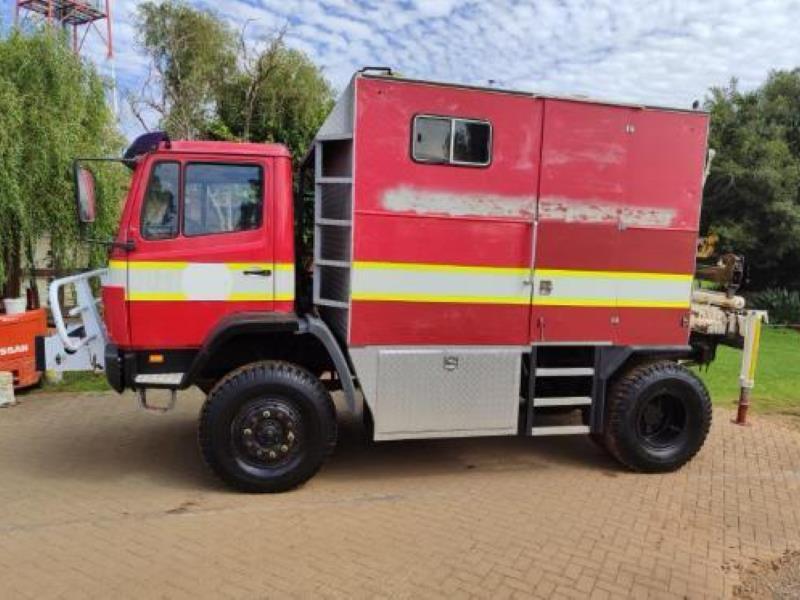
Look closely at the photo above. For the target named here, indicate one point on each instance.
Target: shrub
(783, 305)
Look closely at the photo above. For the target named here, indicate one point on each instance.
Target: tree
(276, 95)
(191, 52)
(752, 195)
(52, 109)
(206, 81)
(12, 209)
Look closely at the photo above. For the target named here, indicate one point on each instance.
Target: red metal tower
(78, 17)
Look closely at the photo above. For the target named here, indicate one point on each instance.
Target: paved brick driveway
(98, 499)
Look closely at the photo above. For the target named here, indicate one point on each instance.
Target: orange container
(18, 345)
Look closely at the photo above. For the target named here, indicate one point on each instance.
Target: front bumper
(114, 368)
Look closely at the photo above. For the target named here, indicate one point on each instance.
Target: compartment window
(160, 208)
(445, 140)
(222, 198)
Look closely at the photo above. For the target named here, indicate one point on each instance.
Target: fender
(265, 323)
(234, 325)
(322, 332)
(608, 362)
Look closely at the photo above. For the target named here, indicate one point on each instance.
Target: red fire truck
(480, 259)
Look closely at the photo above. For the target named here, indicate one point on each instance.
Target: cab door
(202, 248)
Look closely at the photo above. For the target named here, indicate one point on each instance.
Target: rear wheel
(658, 417)
(267, 427)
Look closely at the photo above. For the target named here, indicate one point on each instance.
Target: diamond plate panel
(452, 392)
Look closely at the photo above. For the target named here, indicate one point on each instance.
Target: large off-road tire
(267, 427)
(657, 417)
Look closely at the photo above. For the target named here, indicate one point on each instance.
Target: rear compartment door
(659, 236)
(441, 248)
(578, 264)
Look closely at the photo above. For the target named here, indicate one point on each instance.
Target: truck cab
(480, 260)
(206, 234)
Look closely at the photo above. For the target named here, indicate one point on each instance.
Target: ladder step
(165, 380)
(563, 401)
(564, 372)
(335, 137)
(326, 262)
(560, 430)
(334, 222)
(324, 180)
(331, 303)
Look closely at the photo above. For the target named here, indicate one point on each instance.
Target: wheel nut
(266, 414)
(284, 448)
(290, 436)
(248, 432)
(272, 454)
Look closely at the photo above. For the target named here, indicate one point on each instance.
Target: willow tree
(52, 109)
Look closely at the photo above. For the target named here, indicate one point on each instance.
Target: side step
(563, 401)
(564, 372)
(560, 430)
(159, 380)
(163, 381)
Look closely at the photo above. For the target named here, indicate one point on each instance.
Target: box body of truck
(458, 228)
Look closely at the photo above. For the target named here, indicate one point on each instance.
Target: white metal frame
(66, 351)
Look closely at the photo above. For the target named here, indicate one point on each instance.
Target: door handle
(259, 272)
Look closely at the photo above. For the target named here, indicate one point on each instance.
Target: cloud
(656, 52)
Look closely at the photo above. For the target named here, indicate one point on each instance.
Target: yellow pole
(747, 375)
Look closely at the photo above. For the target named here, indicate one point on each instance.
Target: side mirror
(85, 194)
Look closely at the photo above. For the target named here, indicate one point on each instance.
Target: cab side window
(222, 198)
(160, 208)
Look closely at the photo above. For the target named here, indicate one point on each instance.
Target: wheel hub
(662, 420)
(653, 417)
(266, 432)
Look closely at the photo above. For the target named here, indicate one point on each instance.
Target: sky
(664, 52)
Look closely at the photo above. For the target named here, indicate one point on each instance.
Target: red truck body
(481, 258)
(603, 200)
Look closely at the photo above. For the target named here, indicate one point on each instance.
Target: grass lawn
(777, 373)
(77, 382)
(777, 377)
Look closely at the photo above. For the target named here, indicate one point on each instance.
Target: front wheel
(267, 427)
(658, 416)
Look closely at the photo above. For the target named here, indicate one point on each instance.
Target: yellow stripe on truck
(423, 282)
(616, 275)
(441, 298)
(381, 281)
(181, 281)
(608, 303)
(436, 268)
(155, 297)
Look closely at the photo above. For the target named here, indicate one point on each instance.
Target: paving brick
(101, 500)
